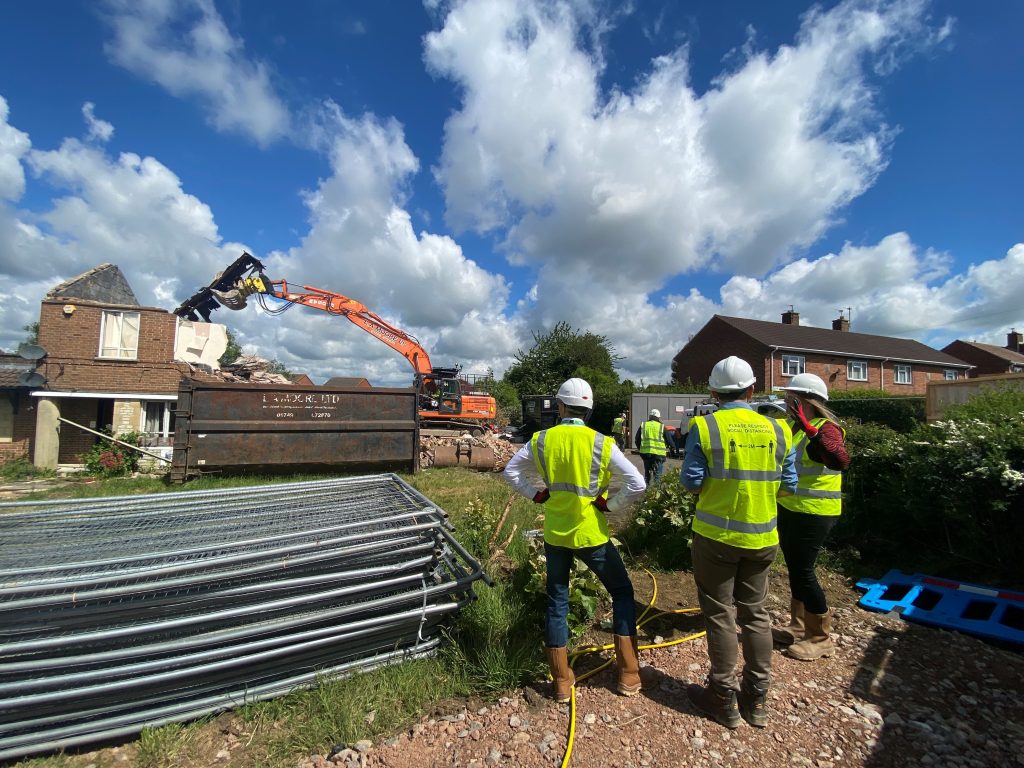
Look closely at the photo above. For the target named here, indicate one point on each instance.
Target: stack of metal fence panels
(118, 613)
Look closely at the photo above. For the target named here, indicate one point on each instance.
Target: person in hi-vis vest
(806, 517)
(576, 466)
(738, 461)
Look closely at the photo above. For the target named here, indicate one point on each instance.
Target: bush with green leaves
(903, 414)
(948, 497)
(661, 527)
(108, 459)
(585, 589)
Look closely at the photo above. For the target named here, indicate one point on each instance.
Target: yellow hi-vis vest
(617, 425)
(575, 464)
(744, 451)
(820, 489)
(652, 438)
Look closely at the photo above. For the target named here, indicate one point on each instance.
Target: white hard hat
(731, 375)
(808, 382)
(576, 392)
(655, 413)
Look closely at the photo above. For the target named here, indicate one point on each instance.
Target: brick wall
(833, 371)
(74, 441)
(718, 339)
(72, 344)
(23, 423)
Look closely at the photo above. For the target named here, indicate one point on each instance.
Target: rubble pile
(503, 449)
(253, 369)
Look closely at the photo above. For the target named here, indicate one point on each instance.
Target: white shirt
(621, 467)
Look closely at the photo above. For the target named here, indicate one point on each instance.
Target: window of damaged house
(119, 335)
(901, 374)
(158, 423)
(949, 374)
(857, 370)
(792, 365)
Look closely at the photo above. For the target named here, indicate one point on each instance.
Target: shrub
(585, 589)
(902, 414)
(661, 526)
(108, 459)
(949, 496)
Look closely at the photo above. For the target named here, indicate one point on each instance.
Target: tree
(232, 352)
(509, 406)
(32, 339)
(564, 353)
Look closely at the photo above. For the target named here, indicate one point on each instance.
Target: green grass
(22, 469)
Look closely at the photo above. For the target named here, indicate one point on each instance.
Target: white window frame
(121, 351)
(898, 372)
(849, 370)
(949, 374)
(166, 433)
(801, 364)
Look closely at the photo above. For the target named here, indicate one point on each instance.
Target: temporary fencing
(125, 612)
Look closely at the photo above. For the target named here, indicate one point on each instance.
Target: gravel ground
(895, 694)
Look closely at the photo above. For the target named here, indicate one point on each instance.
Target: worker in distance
(576, 465)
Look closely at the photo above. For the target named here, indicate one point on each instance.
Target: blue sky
(478, 171)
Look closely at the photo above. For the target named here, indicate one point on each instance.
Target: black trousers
(800, 538)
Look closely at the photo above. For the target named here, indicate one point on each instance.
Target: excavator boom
(245, 277)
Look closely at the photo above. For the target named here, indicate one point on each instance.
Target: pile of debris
(253, 369)
(497, 449)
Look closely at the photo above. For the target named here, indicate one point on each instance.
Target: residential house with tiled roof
(17, 417)
(845, 360)
(337, 382)
(989, 359)
(110, 363)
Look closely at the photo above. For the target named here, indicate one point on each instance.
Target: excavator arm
(246, 277)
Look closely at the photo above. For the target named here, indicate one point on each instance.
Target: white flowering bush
(949, 494)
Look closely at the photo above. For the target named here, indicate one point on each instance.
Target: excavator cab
(449, 396)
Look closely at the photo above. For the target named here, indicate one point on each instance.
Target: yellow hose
(596, 648)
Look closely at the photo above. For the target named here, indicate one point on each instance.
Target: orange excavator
(447, 400)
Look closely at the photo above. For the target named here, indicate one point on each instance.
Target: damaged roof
(105, 284)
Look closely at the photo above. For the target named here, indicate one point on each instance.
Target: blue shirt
(695, 463)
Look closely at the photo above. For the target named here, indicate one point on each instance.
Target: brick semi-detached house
(845, 360)
(110, 363)
(988, 358)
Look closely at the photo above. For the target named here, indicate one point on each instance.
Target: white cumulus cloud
(185, 47)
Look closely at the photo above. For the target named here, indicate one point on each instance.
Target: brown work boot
(561, 673)
(753, 704)
(720, 706)
(817, 640)
(628, 665)
(795, 631)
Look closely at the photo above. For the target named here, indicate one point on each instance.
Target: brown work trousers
(732, 584)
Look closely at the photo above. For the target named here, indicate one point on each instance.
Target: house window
(119, 335)
(857, 370)
(901, 374)
(949, 374)
(792, 365)
(157, 423)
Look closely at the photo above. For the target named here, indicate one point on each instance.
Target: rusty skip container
(226, 427)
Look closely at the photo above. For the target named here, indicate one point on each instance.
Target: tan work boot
(628, 682)
(795, 631)
(562, 677)
(817, 640)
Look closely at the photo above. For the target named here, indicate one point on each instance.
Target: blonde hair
(819, 407)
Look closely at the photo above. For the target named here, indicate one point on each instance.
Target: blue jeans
(606, 562)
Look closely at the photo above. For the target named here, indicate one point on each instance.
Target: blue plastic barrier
(996, 614)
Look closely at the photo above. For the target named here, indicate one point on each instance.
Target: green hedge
(902, 414)
(947, 498)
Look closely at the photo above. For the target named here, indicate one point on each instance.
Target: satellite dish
(31, 379)
(32, 352)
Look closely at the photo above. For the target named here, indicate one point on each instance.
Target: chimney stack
(790, 317)
(841, 324)
(1015, 341)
